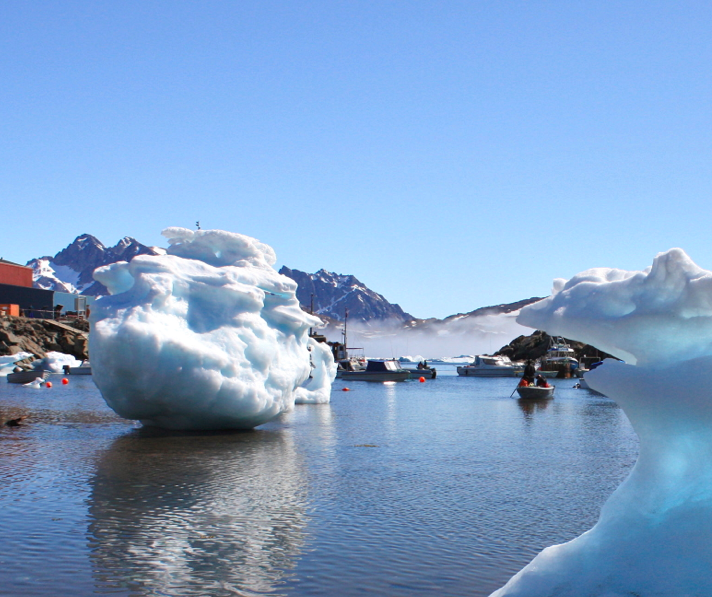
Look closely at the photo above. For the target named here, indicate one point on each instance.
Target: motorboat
(426, 372)
(490, 366)
(559, 361)
(536, 392)
(422, 370)
(378, 370)
(83, 369)
(27, 376)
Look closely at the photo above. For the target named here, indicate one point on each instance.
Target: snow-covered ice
(317, 388)
(7, 362)
(654, 534)
(55, 361)
(207, 336)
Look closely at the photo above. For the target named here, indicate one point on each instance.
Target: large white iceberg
(654, 535)
(207, 336)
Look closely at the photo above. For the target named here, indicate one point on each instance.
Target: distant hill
(71, 269)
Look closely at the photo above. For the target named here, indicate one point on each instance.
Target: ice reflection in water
(187, 514)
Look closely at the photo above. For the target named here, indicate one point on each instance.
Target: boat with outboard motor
(378, 370)
(536, 392)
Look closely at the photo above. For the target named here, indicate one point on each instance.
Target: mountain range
(71, 269)
(330, 295)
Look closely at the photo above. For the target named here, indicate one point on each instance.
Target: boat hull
(82, 370)
(426, 373)
(470, 371)
(535, 393)
(374, 375)
(26, 376)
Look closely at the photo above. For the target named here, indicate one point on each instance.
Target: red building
(16, 291)
(14, 274)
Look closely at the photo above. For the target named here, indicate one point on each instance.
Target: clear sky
(449, 154)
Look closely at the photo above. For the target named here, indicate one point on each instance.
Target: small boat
(83, 369)
(559, 360)
(535, 392)
(426, 372)
(27, 376)
(490, 366)
(378, 370)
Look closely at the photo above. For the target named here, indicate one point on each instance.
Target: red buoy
(345, 389)
(65, 381)
(422, 379)
(48, 384)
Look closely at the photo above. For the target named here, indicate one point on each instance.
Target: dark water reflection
(441, 488)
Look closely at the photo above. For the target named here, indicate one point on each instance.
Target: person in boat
(541, 382)
(529, 373)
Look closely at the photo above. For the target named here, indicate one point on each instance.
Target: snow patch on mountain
(71, 269)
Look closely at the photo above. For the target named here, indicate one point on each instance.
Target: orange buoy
(48, 384)
(422, 379)
(65, 381)
(345, 389)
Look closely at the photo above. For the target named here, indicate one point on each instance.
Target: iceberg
(206, 336)
(654, 534)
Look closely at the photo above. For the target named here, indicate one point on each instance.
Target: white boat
(490, 366)
(535, 392)
(559, 360)
(378, 370)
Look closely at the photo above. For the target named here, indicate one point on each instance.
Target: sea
(441, 488)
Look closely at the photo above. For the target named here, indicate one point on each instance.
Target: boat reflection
(197, 514)
(530, 406)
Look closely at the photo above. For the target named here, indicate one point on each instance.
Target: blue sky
(450, 155)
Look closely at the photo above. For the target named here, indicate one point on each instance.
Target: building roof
(5, 261)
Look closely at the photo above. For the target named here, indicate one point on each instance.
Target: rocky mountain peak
(334, 293)
(71, 269)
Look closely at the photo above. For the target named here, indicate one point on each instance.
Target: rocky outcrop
(535, 346)
(40, 336)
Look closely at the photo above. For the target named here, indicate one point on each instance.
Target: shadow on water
(195, 513)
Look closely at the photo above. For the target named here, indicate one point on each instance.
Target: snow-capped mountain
(334, 293)
(71, 269)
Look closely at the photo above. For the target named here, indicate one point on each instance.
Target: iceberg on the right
(654, 534)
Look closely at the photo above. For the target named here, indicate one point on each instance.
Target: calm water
(440, 488)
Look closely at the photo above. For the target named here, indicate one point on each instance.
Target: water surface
(440, 488)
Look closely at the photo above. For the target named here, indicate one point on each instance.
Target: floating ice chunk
(207, 336)
(654, 535)
(317, 388)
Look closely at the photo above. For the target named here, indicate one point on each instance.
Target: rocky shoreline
(40, 336)
(535, 346)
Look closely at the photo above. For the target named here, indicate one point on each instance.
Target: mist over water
(481, 334)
